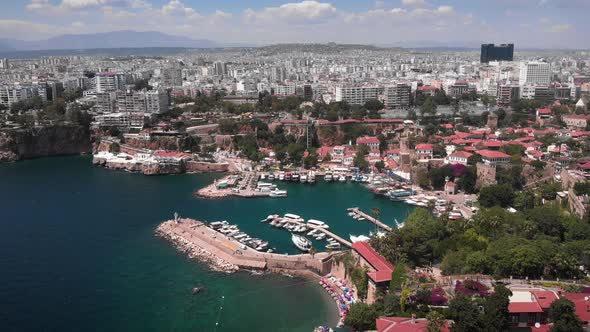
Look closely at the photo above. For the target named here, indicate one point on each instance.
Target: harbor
(226, 254)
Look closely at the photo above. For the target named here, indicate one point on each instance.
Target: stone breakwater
(195, 252)
(227, 254)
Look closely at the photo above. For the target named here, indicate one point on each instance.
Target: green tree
(435, 321)
(496, 316)
(428, 108)
(398, 277)
(359, 159)
(500, 194)
(466, 315)
(563, 315)
(361, 316)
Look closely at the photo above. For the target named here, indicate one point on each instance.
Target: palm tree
(376, 213)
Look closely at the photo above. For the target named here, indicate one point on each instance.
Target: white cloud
(305, 11)
(81, 4)
(176, 7)
(413, 2)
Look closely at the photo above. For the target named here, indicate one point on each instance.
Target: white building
(154, 102)
(107, 82)
(397, 96)
(535, 73)
(10, 94)
(356, 95)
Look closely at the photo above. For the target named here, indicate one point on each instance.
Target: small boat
(328, 177)
(295, 177)
(197, 290)
(333, 246)
(342, 178)
(281, 176)
(318, 223)
(312, 232)
(301, 242)
(303, 178)
(360, 218)
(271, 177)
(277, 193)
(292, 216)
(320, 236)
(360, 238)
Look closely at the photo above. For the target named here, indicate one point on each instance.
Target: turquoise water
(78, 252)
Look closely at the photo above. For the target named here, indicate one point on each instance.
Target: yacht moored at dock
(278, 193)
(301, 242)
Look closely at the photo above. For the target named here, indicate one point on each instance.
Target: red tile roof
(492, 154)
(544, 298)
(382, 266)
(524, 307)
(461, 154)
(367, 140)
(424, 147)
(493, 144)
(544, 111)
(582, 305)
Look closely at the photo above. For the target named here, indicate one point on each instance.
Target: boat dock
(224, 253)
(321, 229)
(370, 218)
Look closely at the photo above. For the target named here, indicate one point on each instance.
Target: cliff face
(17, 144)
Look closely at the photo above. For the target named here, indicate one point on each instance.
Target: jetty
(321, 229)
(370, 218)
(224, 253)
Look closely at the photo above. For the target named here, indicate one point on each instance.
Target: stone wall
(486, 175)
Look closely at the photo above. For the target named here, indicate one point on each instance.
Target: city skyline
(526, 23)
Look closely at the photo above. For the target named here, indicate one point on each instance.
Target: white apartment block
(397, 96)
(10, 94)
(107, 82)
(356, 95)
(535, 73)
(154, 102)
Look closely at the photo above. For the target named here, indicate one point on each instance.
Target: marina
(319, 231)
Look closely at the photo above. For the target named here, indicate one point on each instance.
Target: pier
(321, 229)
(370, 218)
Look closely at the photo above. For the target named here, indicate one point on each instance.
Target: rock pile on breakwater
(195, 252)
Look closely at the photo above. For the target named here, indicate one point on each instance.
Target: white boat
(342, 178)
(278, 193)
(320, 236)
(281, 176)
(262, 176)
(271, 177)
(333, 246)
(292, 216)
(361, 218)
(328, 177)
(312, 232)
(360, 238)
(411, 201)
(318, 223)
(303, 178)
(311, 178)
(301, 242)
(295, 177)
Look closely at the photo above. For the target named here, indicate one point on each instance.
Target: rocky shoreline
(195, 252)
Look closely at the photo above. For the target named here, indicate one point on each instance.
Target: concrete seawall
(224, 253)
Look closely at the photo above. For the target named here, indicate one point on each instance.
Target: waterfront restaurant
(379, 269)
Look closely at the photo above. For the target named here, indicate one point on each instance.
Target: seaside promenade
(226, 254)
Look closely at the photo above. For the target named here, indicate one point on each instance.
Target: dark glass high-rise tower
(491, 52)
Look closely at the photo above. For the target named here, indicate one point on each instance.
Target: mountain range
(115, 39)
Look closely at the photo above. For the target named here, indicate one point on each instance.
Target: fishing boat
(271, 177)
(311, 178)
(328, 177)
(301, 242)
(303, 178)
(281, 176)
(278, 193)
(342, 178)
(295, 177)
(262, 176)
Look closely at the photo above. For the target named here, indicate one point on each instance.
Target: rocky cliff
(17, 144)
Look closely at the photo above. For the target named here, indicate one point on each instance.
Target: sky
(527, 23)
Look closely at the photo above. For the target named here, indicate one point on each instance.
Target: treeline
(539, 241)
